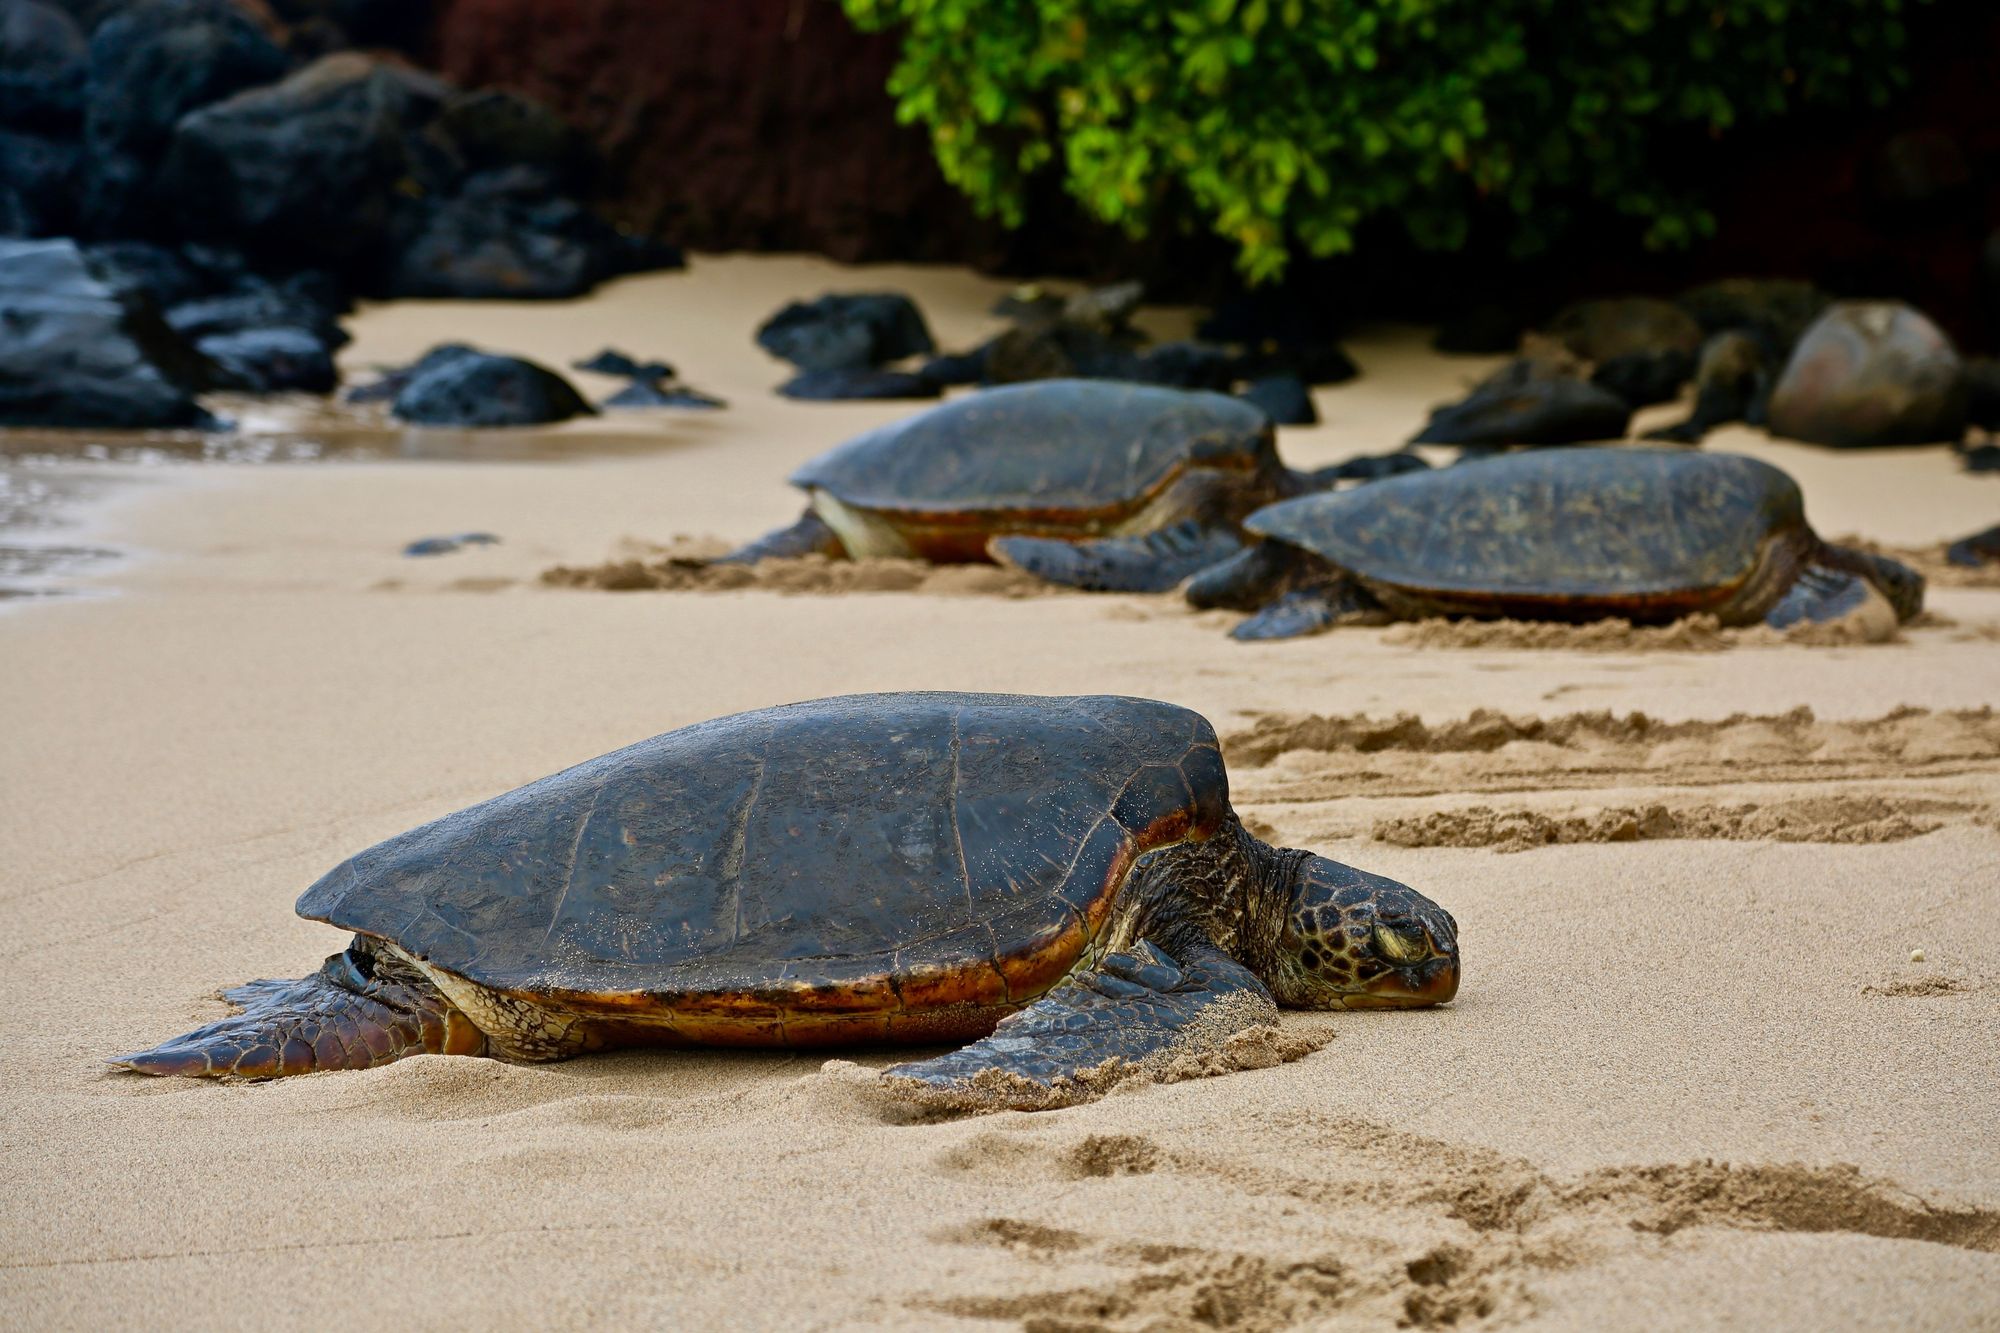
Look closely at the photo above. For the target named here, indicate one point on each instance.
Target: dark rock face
(847, 331)
(652, 393)
(509, 235)
(39, 177)
(1191, 365)
(955, 368)
(43, 56)
(1540, 411)
(306, 169)
(149, 66)
(76, 350)
(164, 275)
(823, 386)
(1982, 393)
(1368, 467)
(1869, 373)
(272, 360)
(394, 380)
(611, 361)
(257, 304)
(1060, 350)
(1283, 398)
(463, 387)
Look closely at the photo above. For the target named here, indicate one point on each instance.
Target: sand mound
(1858, 819)
(1489, 750)
(685, 565)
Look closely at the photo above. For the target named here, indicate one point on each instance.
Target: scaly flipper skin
(357, 1011)
(809, 536)
(1141, 1007)
(1152, 563)
(1819, 595)
(1306, 611)
(1247, 580)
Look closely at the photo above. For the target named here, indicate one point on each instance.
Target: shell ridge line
(957, 833)
(575, 846)
(739, 841)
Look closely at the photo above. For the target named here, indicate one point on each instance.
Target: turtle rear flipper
(1821, 595)
(1140, 1011)
(1152, 563)
(809, 536)
(1307, 610)
(354, 1013)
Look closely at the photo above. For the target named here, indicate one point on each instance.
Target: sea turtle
(890, 868)
(1649, 535)
(1166, 473)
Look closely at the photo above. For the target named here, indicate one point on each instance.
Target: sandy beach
(1724, 1055)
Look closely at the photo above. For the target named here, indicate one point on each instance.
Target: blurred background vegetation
(1286, 126)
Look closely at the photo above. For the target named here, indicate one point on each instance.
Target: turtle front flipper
(1139, 1012)
(809, 536)
(359, 1010)
(1153, 563)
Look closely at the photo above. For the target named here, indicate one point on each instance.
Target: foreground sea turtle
(1649, 535)
(904, 868)
(1167, 473)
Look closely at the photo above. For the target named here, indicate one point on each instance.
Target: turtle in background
(1095, 484)
(1645, 535)
(1059, 881)
(1732, 382)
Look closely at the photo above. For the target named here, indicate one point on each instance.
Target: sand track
(1420, 1233)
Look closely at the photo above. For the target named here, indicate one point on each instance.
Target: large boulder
(43, 55)
(847, 331)
(508, 234)
(161, 273)
(464, 387)
(310, 168)
(865, 382)
(38, 178)
(1868, 373)
(272, 360)
(76, 350)
(1285, 398)
(150, 66)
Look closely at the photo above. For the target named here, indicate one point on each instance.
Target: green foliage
(1287, 123)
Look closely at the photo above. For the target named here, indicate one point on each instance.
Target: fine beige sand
(1725, 1054)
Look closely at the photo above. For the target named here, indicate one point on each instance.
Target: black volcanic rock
(76, 350)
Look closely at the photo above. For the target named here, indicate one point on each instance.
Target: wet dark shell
(1048, 447)
(1605, 524)
(845, 852)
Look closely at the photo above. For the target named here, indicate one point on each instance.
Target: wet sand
(1694, 1077)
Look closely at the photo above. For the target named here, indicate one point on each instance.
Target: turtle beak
(1433, 981)
(1430, 977)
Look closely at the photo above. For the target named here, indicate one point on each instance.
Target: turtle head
(1353, 940)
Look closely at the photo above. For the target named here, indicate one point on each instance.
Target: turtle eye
(1401, 945)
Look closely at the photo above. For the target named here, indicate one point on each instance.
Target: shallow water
(50, 479)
